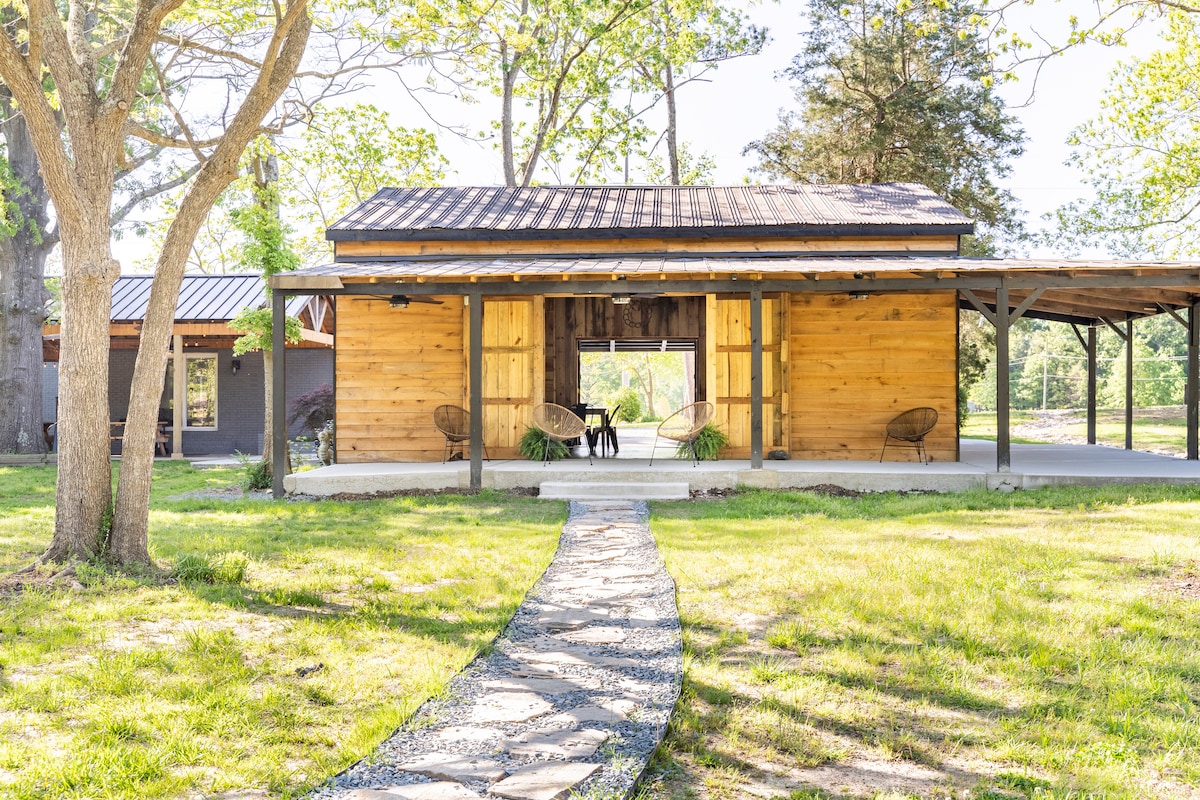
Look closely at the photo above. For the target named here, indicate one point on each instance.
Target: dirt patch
(712, 494)
(830, 490)
(1184, 582)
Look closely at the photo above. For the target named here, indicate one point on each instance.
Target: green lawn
(1039, 645)
(1161, 430)
(152, 686)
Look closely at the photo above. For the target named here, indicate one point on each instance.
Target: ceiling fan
(403, 301)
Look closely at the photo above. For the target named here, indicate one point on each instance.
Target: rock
(778, 455)
(463, 769)
(441, 790)
(509, 707)
(543, 782)
(556, 744)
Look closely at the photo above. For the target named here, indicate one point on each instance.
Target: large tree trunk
(23, 294)
(84, 489)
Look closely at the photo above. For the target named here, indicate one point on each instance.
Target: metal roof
(202, 298)
(500, 212)
(683, 267)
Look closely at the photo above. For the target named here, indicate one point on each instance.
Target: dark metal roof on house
(499, 212)
(202, 298)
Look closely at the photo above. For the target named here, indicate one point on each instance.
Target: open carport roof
(1082, 291)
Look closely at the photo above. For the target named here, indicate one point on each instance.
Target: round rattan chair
(684, 426)
(454, 422)
(912, 426)
(560, 424)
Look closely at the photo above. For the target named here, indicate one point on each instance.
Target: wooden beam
(756, 378)
(304, 284)
(1003, 437)
(1192, 391)
(1025, 305)
(974, 300)
(279, 457)
(316, 337)
(1092, 368)
(475, 358)
(1129, 384)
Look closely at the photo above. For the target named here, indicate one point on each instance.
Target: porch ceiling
(1082, 291)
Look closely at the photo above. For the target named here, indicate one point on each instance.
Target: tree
(678, 43)
(102, 109)
(1141, 156)
(893, 90)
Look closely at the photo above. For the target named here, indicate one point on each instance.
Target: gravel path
(574, 697)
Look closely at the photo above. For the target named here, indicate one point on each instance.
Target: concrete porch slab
(1033, 466)
(613, 490)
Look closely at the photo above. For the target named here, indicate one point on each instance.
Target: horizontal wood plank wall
(569, 319)
(856, 364)
(513, 370)
(729, 360)
(830, 244)
(394, 367)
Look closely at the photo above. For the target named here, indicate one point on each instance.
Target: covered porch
(1031, 466)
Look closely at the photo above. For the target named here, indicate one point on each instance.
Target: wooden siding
(513, 369)
(856, 364)
(729, 361)
(569, 319)
(393, 368)
(832, 244)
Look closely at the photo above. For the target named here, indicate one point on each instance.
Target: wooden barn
(816, 313)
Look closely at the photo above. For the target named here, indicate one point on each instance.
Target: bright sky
(743, 98)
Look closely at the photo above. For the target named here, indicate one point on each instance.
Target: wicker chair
(560, 424)
(684, 426)
(912, 426)
(454, 423)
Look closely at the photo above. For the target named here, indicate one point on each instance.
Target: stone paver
(574, 696)
(549, 782)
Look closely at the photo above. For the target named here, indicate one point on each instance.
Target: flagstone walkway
(574, 697)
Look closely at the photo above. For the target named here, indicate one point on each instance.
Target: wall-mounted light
(859, 295)
(399, 301)
(235, 365)
(621, 299)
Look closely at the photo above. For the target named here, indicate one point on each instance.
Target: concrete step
(599, 490)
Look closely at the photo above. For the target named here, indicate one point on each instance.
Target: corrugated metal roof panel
(674, 208)
(202, 298)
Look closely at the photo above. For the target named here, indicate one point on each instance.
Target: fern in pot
(533, 446)
(708, 445)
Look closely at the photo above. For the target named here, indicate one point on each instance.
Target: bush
(218, 568)
(256, 475)
(314, 408)
(709, 444)
(533, 446)
(630, 401)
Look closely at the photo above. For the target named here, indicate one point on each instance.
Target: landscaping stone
(565, 744)
(455, 768)
(549, 782)
(573, 697)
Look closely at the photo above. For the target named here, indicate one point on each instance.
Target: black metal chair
(454, 422)
(608, 430)
(912, 426)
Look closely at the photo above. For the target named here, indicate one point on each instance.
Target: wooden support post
(475, 358)
(1129, 384)
(279, 454)
(178, 395)
(756, 378)
(1092, 368)
(1003, 438)
(1192, 392)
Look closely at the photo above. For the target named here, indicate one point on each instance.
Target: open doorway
(638, 382)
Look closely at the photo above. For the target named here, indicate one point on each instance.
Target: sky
(742, 99)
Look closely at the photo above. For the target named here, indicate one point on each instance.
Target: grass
(1034, 645)
(182, 681)
(1160, 430)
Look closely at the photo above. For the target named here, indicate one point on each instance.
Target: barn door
(513, 370)
(728, 384)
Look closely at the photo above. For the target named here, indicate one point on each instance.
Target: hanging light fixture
(399, 301)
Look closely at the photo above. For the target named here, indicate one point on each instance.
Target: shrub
(709, 444)
(314, 408)
(256, 475)
(533, 446)
(218, 568)
(630, 401)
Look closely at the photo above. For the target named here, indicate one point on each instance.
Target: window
(200, 396)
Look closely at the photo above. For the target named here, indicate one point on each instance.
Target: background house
(222, 395)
